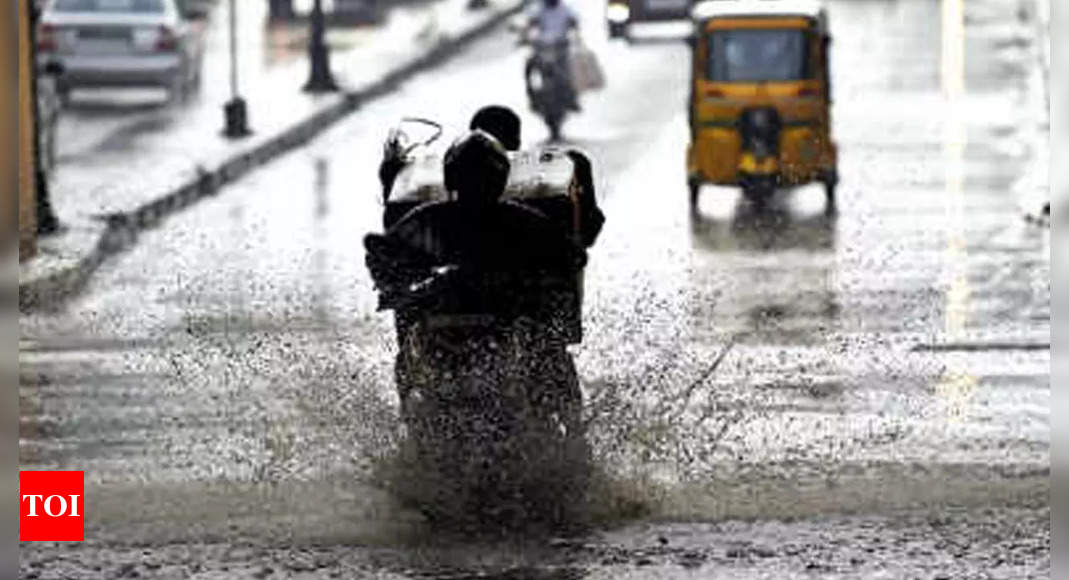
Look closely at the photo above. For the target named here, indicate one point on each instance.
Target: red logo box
(51, 506)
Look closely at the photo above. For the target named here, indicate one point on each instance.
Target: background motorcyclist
(553, 22)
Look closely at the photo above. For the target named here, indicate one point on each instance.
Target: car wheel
(179, 89)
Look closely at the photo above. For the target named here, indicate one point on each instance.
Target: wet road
(882, 407)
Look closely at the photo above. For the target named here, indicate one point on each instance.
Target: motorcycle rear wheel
(498, 459)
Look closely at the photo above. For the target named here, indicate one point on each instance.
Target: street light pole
(47, 222)
(320, 78)
(235, 113)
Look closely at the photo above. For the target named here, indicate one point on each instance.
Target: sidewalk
(152, 161)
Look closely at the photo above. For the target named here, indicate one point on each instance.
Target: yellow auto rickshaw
(760, 98)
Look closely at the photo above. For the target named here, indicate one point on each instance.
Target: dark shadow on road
(778, 296)
(773, 228)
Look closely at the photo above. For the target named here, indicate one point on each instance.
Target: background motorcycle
(547, 80)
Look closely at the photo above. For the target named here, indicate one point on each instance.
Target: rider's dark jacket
(512, 256)
(498, 237)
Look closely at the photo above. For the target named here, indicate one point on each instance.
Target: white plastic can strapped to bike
(543, 178)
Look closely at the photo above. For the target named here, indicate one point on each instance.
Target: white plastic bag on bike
(587, 73)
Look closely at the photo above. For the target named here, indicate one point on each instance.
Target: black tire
(831, 184)
(695, 187)
(830, 203)
(471, 465)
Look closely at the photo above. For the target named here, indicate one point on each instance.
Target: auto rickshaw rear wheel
(695, 187)
(831, 183)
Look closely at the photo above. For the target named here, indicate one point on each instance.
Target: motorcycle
(489, 395)
(549, 86)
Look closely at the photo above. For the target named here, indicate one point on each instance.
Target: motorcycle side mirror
(414, 132)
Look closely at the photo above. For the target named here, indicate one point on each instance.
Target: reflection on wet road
(229, 378)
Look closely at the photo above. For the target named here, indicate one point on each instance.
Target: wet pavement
(881, 409)
(107, 135)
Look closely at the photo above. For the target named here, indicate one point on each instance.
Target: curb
(120, 233)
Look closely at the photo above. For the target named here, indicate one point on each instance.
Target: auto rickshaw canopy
(812, 10)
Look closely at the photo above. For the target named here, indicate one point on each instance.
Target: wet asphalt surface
(882, 409)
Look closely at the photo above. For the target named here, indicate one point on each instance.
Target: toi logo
(51, 506)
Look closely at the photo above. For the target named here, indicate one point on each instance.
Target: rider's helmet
(476, 169)
(501, 122)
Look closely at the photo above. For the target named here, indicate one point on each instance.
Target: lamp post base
(47, 223)
(236, 118)
(320, 79)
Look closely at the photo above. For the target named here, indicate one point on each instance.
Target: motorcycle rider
(479, 234)
(500, 122)
(517, 266)
(477, 228)
(553, 23)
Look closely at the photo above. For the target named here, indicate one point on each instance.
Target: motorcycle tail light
(46, 38)
(166, 39)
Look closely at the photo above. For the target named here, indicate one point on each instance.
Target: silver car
(122, 43)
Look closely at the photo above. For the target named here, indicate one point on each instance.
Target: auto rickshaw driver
(760, 98)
